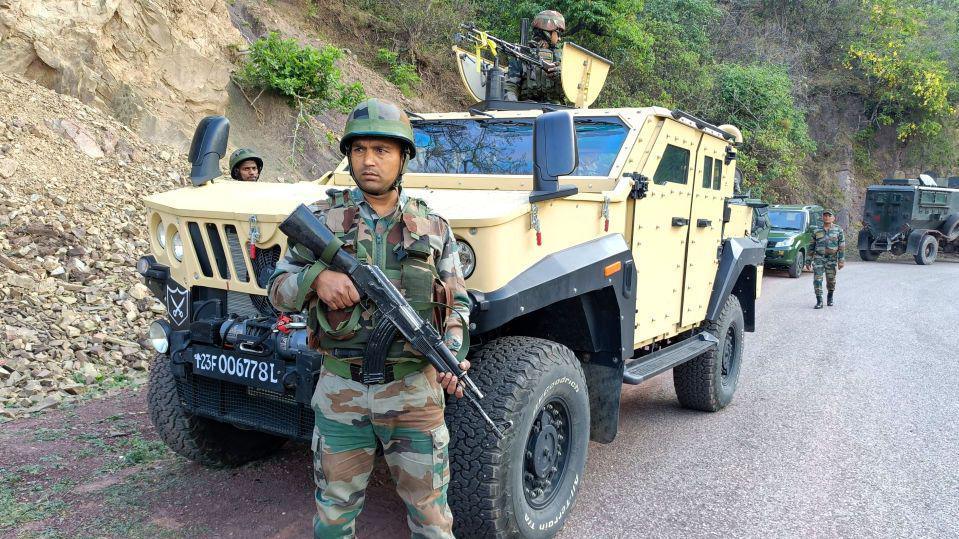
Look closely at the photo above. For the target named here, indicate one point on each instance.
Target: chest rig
(405, 246)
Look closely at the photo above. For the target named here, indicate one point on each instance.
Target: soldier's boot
(818, 302)
(829, 298)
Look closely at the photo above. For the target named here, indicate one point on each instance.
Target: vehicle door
(705, 228)
(661, 228)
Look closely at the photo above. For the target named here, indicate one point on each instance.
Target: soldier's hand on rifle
(335, 289)
(552, 70)
(450, 383)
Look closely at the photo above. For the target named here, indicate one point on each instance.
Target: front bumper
(286, 413)
(780, 256)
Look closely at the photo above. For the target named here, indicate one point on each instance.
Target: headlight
(784, 243)
(467, 258)
(161, 236)
(177, 246)
(159, 336)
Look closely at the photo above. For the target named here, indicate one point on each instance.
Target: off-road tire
(521, 377)
(868, 255)
(795, 270)
(700, 383)
(928, 249)
(199, 439)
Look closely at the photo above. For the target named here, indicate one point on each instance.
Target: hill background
(831, 95)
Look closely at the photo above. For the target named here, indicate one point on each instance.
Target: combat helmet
(241, 155)
(549, 20)
(378, 118)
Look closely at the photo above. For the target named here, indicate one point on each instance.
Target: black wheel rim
(729, 356)
(928, 249)
(546, 453)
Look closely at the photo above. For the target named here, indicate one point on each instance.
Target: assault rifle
(396, 313)
(479, 39)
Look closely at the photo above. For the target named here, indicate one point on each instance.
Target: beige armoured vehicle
(600, 247)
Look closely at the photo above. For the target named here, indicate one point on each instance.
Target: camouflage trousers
(406, 416)
(824, 265)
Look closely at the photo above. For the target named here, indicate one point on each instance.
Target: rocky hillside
(157, 65)
(72, 309)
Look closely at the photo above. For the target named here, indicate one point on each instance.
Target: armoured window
(505, 146)
(717, 174)
(708, 172)
(673, 167)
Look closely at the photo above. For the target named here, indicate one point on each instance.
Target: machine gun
(304, 228)
(484, 40)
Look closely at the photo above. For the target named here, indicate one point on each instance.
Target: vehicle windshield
(505, 146)
(787, 220)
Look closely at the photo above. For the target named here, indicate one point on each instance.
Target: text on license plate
(225, 366)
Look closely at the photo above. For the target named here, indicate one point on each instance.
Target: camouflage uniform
(530, 83)
(415, 248)
(828, 250)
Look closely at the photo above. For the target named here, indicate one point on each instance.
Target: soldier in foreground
(828, 252)
(416, 250)
(526, 82)
(246, 165)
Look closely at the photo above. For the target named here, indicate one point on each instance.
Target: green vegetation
(401, 74)
(757, 99)
(306, 76)
(816, 87)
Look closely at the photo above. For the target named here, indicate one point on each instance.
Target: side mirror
(555, 153)
(207, 148)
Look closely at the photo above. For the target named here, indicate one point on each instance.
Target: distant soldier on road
(526, 82)
(246, 165)
(415, 248)
(828, 256)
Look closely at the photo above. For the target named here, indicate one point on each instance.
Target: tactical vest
(538, 86)
(827, 241)
(402, 249)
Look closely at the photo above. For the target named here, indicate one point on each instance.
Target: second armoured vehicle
(914, 216)
(789, 237)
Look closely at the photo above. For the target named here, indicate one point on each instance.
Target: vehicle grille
(242, 304)
(770, 244)
(249, 407)
(230, 260)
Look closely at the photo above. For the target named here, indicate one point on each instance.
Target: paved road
(844, 424)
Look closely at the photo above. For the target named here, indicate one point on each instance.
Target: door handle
(680, 221)
(703, 223)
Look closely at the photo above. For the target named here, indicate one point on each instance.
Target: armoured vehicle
(600, 247)
(907, 215)
(790, 236)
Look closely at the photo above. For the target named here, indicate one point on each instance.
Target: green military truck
(788, 244)
(910, 215)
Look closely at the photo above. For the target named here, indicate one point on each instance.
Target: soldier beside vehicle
(415, 248)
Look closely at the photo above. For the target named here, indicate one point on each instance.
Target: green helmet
(549, 20)
(829, 211)
(241, 155)
(378, 118)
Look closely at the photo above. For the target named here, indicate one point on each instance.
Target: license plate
(266, 373)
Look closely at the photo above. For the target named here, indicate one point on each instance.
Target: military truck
(910, 215)
(600, 247)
